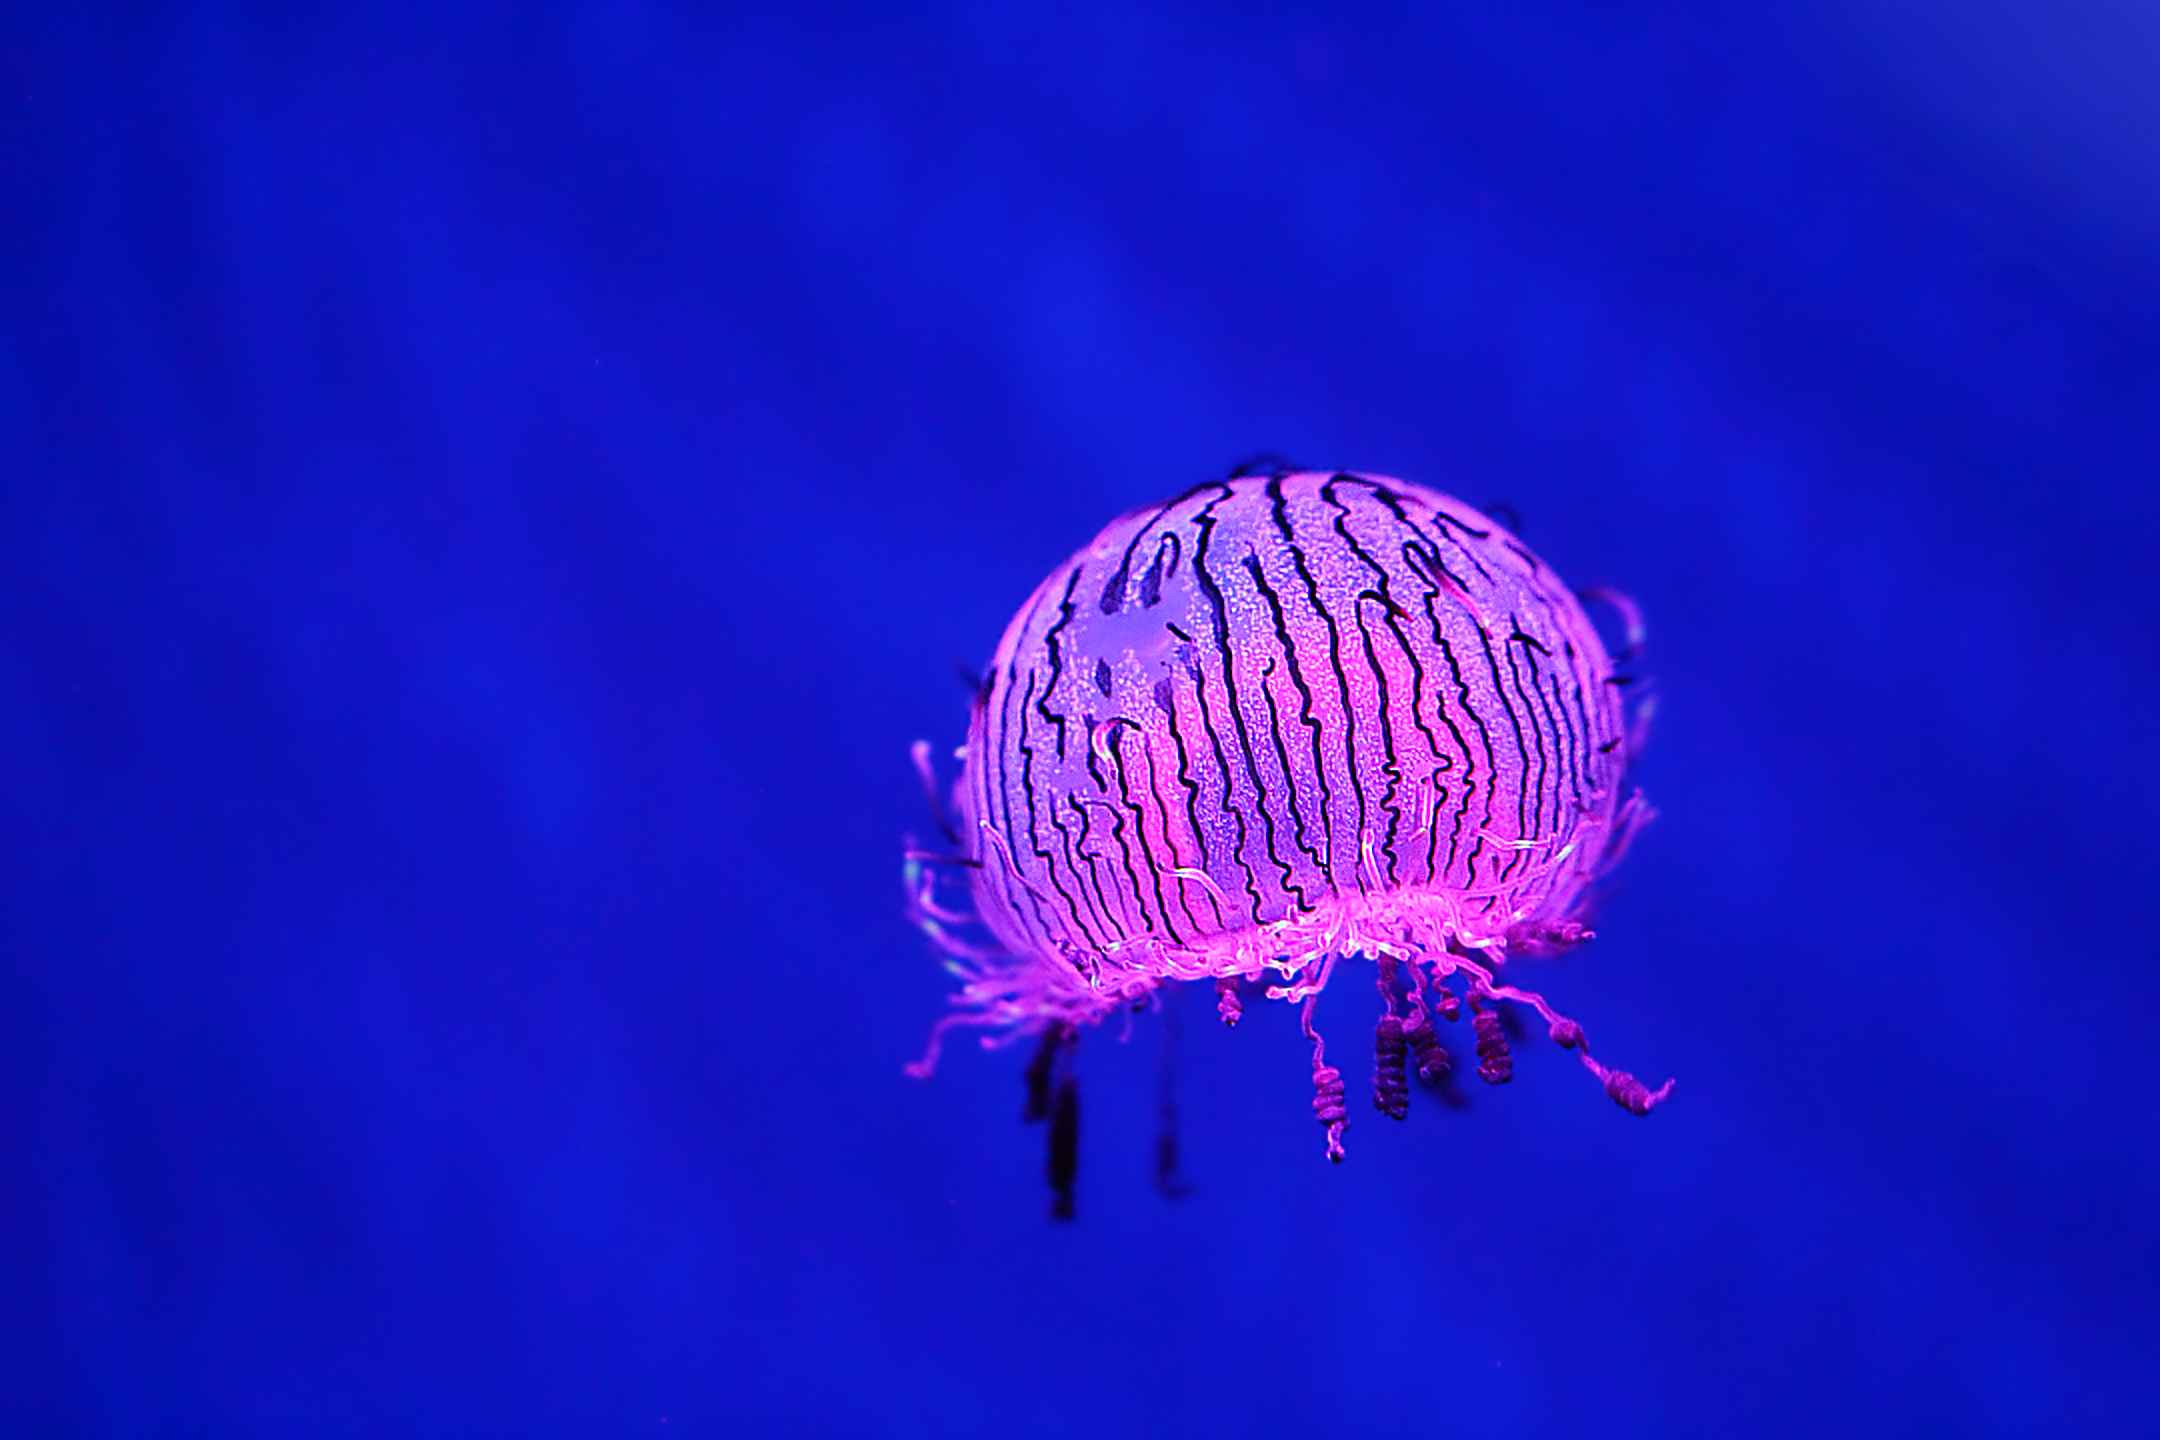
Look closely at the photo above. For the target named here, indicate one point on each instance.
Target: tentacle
(1041, 1067)
(1637, 632)
(1391, 1087)
(1496, 1065)
(1063, 1166)
(1433, 1060)
(1645, 708)
(1328, 1107)
(1228, 1006)
(1629, 1093)
(925, 1066)
(1167, 1179)
(919, 753)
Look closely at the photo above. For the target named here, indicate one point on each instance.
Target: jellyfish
(1272, 725)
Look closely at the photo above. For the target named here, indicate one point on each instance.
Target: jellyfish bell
(1272, 723)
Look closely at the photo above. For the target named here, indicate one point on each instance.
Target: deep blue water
(489, 501)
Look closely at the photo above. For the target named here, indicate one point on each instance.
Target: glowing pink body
(1276, 721)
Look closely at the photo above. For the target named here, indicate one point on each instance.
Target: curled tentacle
(1496, 1065)
(1391, 1089)
(1328, 1107)
(1433, 1060)
(1227, 1004)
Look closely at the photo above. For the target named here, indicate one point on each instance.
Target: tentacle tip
(1631, 1095)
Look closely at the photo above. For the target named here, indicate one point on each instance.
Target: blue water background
(491, 494)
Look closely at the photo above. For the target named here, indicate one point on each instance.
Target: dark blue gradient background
(489, 500)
